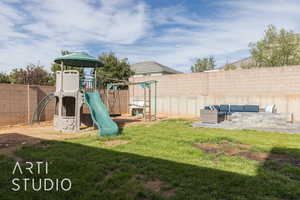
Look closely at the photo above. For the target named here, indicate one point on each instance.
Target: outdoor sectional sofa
(218, 113)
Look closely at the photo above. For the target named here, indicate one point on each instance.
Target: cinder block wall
(185, 94)
(14, 104)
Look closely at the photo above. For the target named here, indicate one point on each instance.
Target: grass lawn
(165, 161)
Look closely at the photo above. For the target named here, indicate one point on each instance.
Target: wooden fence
(18, 102)
(117, 101)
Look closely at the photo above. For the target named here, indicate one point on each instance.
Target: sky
(172, 32)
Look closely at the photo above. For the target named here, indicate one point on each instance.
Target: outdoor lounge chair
(216, 113)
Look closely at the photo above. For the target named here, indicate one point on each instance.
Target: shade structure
(79, 59)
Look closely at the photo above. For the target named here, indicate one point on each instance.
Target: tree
(114, 69)
(229, 67)
(4, 78)
(32, 74)
(247, 65)
(277, 48)
(204, 64)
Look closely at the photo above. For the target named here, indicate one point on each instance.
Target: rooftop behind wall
(184, 94)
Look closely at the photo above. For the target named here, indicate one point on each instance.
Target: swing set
(147, 105)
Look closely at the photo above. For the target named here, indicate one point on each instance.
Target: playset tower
(73, 90)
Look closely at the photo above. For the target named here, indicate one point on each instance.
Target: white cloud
(9, 17)
(36, 30)
(226, 36)
(51, 25)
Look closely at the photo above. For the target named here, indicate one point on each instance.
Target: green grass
(163, 151)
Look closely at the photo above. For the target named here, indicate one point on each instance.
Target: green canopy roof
(79, 59)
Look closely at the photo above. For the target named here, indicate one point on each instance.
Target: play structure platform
(75, 88)
(73, 91)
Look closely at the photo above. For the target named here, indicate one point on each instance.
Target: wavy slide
(100, 114)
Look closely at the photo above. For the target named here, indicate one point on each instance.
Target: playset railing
(87, 84)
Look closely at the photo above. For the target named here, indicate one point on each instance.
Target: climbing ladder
(41, 107)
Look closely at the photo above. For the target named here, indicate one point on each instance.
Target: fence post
(28, 104)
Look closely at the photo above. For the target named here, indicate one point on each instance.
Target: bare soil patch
(112, 143)
(13, 137)
(10, 142)
(153, 185)
(17, 136)
(244, 150)
(156, 186)
(169, 193)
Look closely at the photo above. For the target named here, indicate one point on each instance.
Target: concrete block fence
(185, 94)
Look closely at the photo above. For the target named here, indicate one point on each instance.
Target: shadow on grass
(123, 122)
(98, 173)
(86, 119)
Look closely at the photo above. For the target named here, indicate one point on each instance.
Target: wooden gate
(117, 101)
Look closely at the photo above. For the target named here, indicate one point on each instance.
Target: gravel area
(276, 122)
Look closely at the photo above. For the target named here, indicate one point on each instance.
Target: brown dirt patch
(153, 185)
(10, 142)
(13, 137)
(156, 186)
(112, 143)
(17, 136)
(245, 151)
(44, 131)
(169, 193)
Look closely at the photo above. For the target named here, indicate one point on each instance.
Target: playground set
(146, 104)
(73, 90)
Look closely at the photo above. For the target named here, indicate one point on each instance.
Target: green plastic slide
(100, 114)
